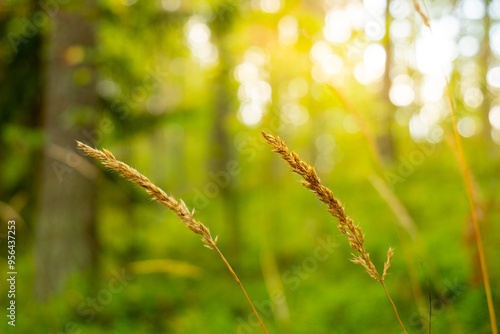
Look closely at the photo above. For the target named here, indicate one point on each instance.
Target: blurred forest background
(180, 90)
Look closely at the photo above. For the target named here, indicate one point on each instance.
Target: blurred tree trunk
(223, 158)
(385, 139)
(223, 152)
(64, 234)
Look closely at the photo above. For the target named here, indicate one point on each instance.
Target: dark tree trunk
(223, 155)
(65, 236)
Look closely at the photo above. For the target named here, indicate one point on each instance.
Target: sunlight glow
(375, 27)
(246, 72)
(401, 93)
(430, 114)
(375, 7)
(254, 92)
(258, 91)
(374, 30)
(365, 75)
(250, 113)
(326, 63)
(320, 50)
(432, 88)
(494, 10)
(267, 6)
(400, 29)
(288, 29)
(332, 64)
(199, 33)
(400, 9)
(432, 56)
(495, 39)
(357, 14)
(494, 117)
(466, 126)
(493, 77)
(469, 46)
(473, 9)
(374, 57)
(473, 97)
(420, 130)
(337, 27)
(435, 52)
(198, 36)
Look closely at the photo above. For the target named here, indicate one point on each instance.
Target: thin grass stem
(468, 186)
(477, 232)
(393, 306)
(241, 286)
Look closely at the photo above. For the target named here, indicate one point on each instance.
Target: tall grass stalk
(382, 187)
(475, 222)
(346, 225)
(468, 185)
(178, 207)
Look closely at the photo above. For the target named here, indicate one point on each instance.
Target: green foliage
(174, 117)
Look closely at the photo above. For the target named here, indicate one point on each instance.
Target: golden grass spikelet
(311, 181)
(178, 207)
(387, 263)
(129, 173)
(353, 232)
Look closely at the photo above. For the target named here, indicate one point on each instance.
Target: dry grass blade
(353, 232)
(178, 207)
(470, 195)
(420, 11)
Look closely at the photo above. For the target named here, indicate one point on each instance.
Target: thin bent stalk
(468, 186)
(470, 196)
(241, 286)
(393, 305)
(178, 207)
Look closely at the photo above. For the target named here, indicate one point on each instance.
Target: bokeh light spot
(288, 28)
(466, 126)
(350, 124)
(494, 117)
(493, 77)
